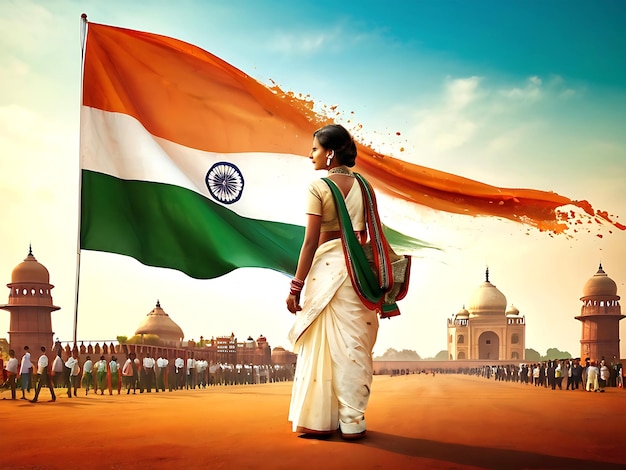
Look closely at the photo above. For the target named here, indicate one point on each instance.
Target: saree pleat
(333, 336)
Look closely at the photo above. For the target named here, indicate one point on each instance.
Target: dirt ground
(415, 421)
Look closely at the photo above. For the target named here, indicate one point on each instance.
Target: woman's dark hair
(336, 138)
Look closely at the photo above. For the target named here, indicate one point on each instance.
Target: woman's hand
(293, 303)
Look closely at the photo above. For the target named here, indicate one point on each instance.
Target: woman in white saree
(334, 332)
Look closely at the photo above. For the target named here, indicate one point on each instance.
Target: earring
(329, 158)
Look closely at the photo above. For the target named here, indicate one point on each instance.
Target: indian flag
(188, 163)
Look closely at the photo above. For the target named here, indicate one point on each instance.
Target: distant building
(227, 350)
(282, 357)
(159, 323)
(487, 330)
(600, 315)
(30, 304)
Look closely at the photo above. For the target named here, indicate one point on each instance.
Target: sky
(524, 94)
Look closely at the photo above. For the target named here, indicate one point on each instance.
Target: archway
(488, 346)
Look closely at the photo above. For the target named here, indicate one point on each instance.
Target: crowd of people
(100, 375)
(562, 374)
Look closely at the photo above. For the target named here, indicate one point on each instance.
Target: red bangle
(296, 286)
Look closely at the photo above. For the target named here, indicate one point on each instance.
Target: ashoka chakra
(225, 182)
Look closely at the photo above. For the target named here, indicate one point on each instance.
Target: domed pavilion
(30, 304)
(600, 315)
(159, 323)
(487, 329)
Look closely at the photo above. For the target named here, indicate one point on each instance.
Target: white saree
(333, 336)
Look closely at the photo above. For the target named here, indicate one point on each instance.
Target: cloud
(290, 43)
(461, 92)
(342, 36)
(473, 111)
(27, 23)
(532, 91)
(452, 122)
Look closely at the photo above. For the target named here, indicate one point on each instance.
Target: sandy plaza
(414, 421)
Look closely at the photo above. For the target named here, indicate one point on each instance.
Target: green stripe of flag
(403, 244)
(172, 227)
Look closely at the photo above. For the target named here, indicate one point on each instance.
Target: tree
(441, 355)
(152, 340)
(394, 355)
(551, 354)
(532, 355)
(554, 353)
(122, 339)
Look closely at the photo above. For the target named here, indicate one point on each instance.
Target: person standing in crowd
(191, 367)
(44, 377)
(26, 371)
(592, 377)
(569, 368)
(128, 374)
(584, 372)
(577, 373)
(536, 373)
(213, 373)
(550, 375)
(171, 372)
(161, 364)
(87, 374)
(179, 363)
(541, 381)
(613, 371)
(101, 375)
(58, 368)
(524, 374)
(11, 371)
(131, 373)
(114, 376)
(137, 372)
(200, 370)
(605, 374)
(558, 374)
(148, 373)
(73, 371)
(335, 332)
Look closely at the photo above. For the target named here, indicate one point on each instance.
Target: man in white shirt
(88, 374)
(73, 369)
(11, 369)
(26, 369)
(44, 377)
(58, 369)
(148, 370)
(179, 365)
(191, 367)
(162, 364)
(101, 374)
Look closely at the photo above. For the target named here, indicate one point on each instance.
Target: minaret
(30, 304)
(600, 315)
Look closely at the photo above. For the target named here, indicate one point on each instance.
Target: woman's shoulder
(318, 183)
(319, 187)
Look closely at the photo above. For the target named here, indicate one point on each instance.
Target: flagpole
(83, 40)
